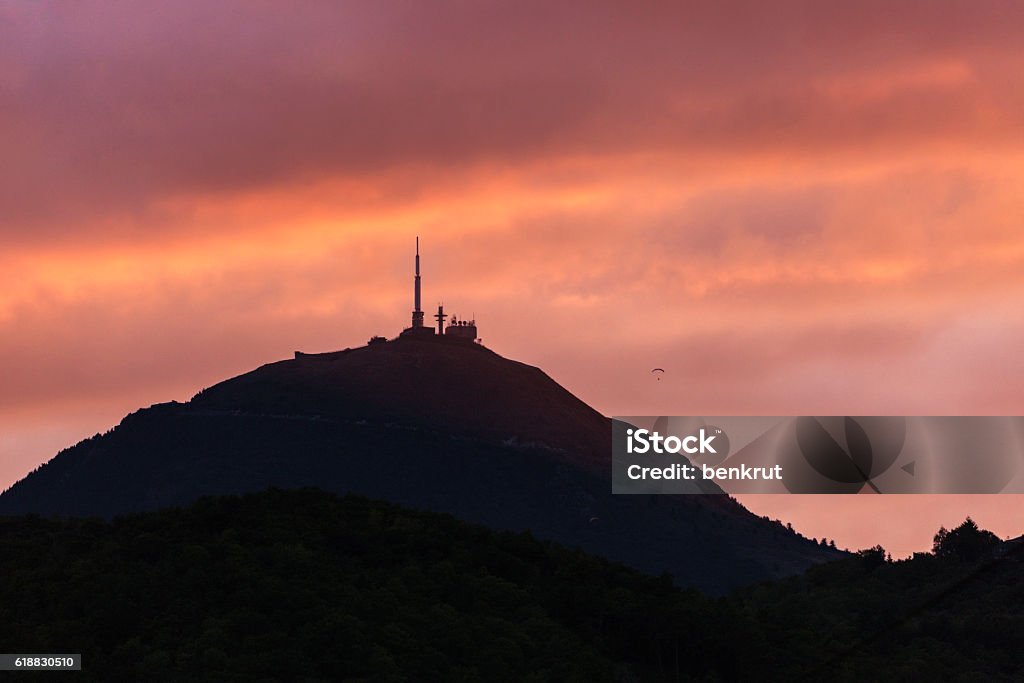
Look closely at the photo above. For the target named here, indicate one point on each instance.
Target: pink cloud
(800, 208)
(111, 108)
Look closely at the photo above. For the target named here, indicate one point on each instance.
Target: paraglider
(658, 372)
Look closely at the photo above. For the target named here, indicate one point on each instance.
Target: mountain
(426, 422)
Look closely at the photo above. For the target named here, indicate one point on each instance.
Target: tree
(966, 542)
(873, 557)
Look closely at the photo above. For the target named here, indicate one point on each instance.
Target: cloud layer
(794, 208)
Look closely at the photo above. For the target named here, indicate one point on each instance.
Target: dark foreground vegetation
(309, 586)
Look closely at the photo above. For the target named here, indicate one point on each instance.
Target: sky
(791, 207)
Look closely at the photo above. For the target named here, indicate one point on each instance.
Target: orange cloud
(794, 209)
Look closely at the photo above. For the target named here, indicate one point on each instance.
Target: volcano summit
(428, 421)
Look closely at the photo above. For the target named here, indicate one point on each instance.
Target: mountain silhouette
(427, 422)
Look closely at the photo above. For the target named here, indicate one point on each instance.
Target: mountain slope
(428, 423)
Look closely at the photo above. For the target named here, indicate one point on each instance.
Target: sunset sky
(791, 207)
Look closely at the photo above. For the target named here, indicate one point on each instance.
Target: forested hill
(304, 585)
(427, 423)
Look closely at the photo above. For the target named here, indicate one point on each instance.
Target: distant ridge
(427, 422)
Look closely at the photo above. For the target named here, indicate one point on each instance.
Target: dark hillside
(430, 424)
(304, 585)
